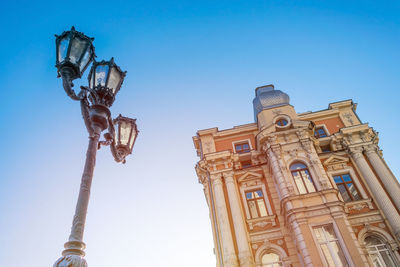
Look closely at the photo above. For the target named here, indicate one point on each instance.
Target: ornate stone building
(299, 189)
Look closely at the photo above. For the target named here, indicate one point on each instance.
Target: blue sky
(191, 65)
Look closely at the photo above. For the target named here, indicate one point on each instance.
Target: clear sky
(191, 65)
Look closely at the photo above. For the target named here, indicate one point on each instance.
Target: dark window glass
(281, 122)
(245, 164)
(320, 132)
(242, 147)
(326, 148)
(346, 187)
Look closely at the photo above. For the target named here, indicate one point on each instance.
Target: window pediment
(336, 162)
(249, 176)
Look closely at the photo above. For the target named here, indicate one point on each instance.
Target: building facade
(299, 189)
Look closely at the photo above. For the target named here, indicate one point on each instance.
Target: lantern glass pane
(125, 132)
(77, 49)
(115, 78)
(63, 48)
(86, 58)
(132, 138)
(101, 75)
(91, 75)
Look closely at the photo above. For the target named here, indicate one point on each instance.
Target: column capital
(371, 149)
(216, 179)
(356, 152)
(228, 176)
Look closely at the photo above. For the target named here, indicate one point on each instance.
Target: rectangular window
(330, 246)
(346, 187)
(326, 148)
(302, 178)
(320, 132)
(242, 147)
(256, 203)
(245, 164)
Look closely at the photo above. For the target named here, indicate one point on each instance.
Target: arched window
(271, 260)
(379, 252)
(302, 178)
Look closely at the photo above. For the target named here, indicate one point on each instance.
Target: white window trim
(325, 129)
(310, 169)
(246, 208)
(242, 141)
(282, 116)
(339, 238)
(348, 170)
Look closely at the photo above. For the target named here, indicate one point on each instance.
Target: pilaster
(245, 257)
(228, 249)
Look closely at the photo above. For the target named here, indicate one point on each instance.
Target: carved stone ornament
(335, 162)
(207, 147)
(71, 261)
(348, 117)
(261, 222)
(301, 134)
(272, 139)
(358, 206)
(356, 152)
(370, 149)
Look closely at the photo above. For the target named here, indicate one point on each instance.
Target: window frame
(256, 202)
(266, 200)
(346, 187)
(378, 251)
(239, 142)
(353, 176)
(301, 176)
(324, 128)
(339, 238)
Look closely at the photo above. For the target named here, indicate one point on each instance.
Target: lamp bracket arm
(66, 75)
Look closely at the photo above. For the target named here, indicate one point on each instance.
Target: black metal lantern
(125, 133)
(74, 51)
(105, 80)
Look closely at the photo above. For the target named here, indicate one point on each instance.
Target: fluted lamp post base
(71, 261)
(72, 255)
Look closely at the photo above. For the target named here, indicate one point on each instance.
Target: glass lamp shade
(106, 74)
(125, 134)
(74, 50)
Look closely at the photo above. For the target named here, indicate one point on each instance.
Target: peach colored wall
(332, 124)
(226, 144)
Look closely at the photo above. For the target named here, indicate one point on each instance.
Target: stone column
(228, 249)
(389, 181)
(301, 244)
(277, 173)
(378, 192)
(245, 257)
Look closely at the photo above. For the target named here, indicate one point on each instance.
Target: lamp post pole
(74, 53)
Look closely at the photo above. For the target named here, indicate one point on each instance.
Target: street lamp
(74, 53)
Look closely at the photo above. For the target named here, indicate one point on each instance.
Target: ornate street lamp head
(105, 80)
(74, 51)
(125, 133)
